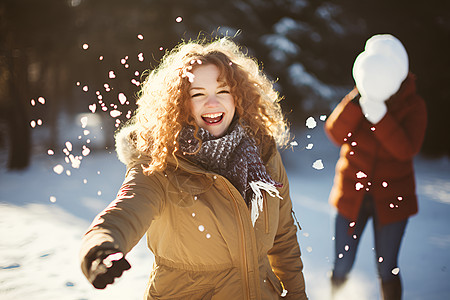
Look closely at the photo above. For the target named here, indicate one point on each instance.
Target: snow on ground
(43, 216)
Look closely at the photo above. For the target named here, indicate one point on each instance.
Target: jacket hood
(126, 145)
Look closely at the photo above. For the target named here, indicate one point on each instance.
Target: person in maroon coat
(380, 126)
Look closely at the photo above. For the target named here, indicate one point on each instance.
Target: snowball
(381, 68)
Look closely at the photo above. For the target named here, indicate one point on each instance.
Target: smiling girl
(205, 182)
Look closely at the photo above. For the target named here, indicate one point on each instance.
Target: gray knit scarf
(234, 156)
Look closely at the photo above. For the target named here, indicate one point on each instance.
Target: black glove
(106, 266)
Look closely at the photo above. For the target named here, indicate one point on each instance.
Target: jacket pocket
(275, 282)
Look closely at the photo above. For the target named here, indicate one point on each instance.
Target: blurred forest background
(60, 57)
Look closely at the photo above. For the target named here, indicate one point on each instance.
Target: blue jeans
(387, 242)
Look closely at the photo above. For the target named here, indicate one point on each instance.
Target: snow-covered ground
(43, 216)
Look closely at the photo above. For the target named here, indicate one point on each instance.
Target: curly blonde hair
(164, 100)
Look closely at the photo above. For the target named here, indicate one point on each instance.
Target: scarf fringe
(257, 198)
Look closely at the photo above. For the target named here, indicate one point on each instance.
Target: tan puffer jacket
(199, 228)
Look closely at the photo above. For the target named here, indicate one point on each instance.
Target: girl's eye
(224, 92)
(197, 95)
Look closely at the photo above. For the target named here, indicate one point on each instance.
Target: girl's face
(212, 104)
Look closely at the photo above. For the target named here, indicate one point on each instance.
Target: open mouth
(213, 118)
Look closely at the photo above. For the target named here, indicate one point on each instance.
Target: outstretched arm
(119, 227)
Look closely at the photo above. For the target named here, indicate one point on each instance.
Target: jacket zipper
(266, 214)
(244, 252)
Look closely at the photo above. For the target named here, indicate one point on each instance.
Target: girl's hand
(374, 111)
(106, 267)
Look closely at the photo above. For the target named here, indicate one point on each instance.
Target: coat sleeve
(344, 119)
(285, 256)
(403, 138)
(123, 223)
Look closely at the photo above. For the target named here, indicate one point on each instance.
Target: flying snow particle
(140, 36)
(294, 143)
(115, 113)
(123, 61)
(361, 174)
(85, 46)
(318, 164)
(341, 255)
(311, 123)
(92, 107)
(58, 169)
(141, 57)
(112, 74)
(99, 193)
(41, 100)
(208, 236)
(384, 184)
(52, 199)
(68, 173)
(201, 228)
(309, 146)
(399, 198)
(358, 186)
(85, 181)
(33, 123)
(86, 132)
(33, 103)
(395, 271)
(354, 144)
(84, 122)
(86, 151)
(69, 146)
(193, 214)
(323, 117)
(352, 224)
(101, 57)
(76, 162)
(39, 122)
(190, 76)
(346, 247)
(50, 152)
(380, 259)
(161, 48)
(122, 98)
(178, 19)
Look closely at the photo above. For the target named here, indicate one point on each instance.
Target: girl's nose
(211, 101)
